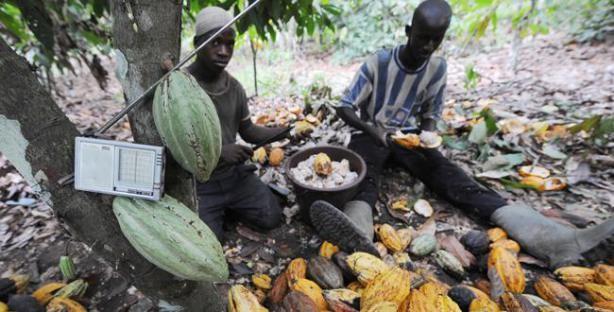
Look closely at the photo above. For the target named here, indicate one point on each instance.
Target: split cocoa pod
(505, 269)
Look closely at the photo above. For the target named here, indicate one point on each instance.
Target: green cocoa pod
(449, 263)
(67, 267)
(188, 124)
(74, 289)
(423, 245)
(171, 236)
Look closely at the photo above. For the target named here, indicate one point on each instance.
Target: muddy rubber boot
(545, 238)
(361, 213)
(335, 226)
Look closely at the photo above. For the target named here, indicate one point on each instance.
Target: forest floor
(558, 82)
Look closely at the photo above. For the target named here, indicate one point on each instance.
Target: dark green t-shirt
(230, 102)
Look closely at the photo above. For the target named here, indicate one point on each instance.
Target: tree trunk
(38, 139)
(144, 34)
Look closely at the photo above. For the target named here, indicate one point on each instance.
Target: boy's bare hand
(235, 153)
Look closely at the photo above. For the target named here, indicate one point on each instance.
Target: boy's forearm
(255, 134)
(348, 115)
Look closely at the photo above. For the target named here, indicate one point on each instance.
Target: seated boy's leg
(253, 203)
(352, 228)
(212, 206)
(375, 157)
(449, 181)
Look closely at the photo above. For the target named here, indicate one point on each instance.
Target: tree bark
(38, 139)
(146, 32)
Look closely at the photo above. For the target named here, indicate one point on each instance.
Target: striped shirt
(393, 97)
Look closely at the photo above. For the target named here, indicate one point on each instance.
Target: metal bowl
(338, 196)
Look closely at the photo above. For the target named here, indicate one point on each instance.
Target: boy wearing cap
(402, 89)
(233, 187)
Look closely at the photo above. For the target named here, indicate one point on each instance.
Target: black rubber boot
(545, 238)
(336, 227)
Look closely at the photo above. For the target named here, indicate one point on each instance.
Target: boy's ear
(408, 30)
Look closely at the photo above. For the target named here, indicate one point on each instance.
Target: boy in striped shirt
(403, 89)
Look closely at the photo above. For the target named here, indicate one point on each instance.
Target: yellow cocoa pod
(477, 292)
(276, 156)
(4, 307)
(604, 274)
(483, 305)
(534, 182)
(535, 171)
(389, 237)
(44, 294)
(262, 281)
(322, 164)
(402, 259)
(483, 285)
(64, 305)
(433, 289)
(599, 293)
(405, 235)
(508, 244)
(384, 306)
(240, 299)
(553, 184)
(574, 277)
(550, 309)
(303, 128)
(510, 302)
(496, 234)
(296, 110)
(260, 295)
(312, 290)
(391, 285)
(365, 266)
(409, 140)
(327, 250)
(606, 305)
(356, 286)
(296, 269)
(506, 266)
(552, 291)
(259, 155)
(344, 295)
(418, 302)
(446, 304)
(381, 249)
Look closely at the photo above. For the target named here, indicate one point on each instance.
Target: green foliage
(52, 33)
(586, 19)
(366, 26)
(269, 16)
(472, 77)
(599, 127)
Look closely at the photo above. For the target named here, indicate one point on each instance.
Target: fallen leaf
(494, 174)
(479, 132)
(553, 152)
(578, 172)
(527, 259)
(249, 233)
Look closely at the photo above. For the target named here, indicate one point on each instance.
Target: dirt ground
(558, 82)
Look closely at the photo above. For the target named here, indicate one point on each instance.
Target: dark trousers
(438, 173)
(240, 194)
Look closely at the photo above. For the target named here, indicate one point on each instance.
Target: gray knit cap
(211, 18)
